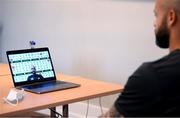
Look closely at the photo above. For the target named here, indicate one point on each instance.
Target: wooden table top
(89, 89)
(4, 69)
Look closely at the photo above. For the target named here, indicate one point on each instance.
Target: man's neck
(174, 46)
(174, 40)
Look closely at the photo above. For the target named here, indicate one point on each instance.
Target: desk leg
(53, 114)
(65, 111)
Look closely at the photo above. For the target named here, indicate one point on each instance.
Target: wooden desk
(89, 89)
(4, 69)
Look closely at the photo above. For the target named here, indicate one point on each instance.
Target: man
(34, 75)
(154, 88)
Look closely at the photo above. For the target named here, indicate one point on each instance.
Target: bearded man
(154, 88)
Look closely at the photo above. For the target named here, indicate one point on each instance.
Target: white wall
(1, 15)
(99, 39)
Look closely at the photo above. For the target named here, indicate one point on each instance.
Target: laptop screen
(31, 65)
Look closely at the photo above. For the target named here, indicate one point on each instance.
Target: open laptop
(32, 70)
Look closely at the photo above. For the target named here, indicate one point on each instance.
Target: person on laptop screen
(34, 75)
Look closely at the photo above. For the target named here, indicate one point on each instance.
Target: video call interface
(23, 64)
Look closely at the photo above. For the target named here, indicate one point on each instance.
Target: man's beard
(162, 35)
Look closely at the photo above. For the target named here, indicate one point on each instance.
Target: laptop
(32, 70)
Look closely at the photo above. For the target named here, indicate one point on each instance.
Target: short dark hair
(176, 5)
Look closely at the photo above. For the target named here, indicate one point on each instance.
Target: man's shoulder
(145, 69)
(171, 58)
(152, 66)
(150, 71)
(144, 80)
(30, 76)
(144, 77)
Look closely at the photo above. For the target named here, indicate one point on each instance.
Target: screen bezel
(30, 51)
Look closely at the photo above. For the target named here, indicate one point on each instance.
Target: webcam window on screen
(24, 64)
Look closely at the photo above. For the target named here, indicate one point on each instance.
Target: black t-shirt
(35, 77)
(153, 89)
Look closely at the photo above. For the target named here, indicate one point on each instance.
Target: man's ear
(171, 18)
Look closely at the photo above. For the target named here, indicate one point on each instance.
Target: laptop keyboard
(45, 84)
